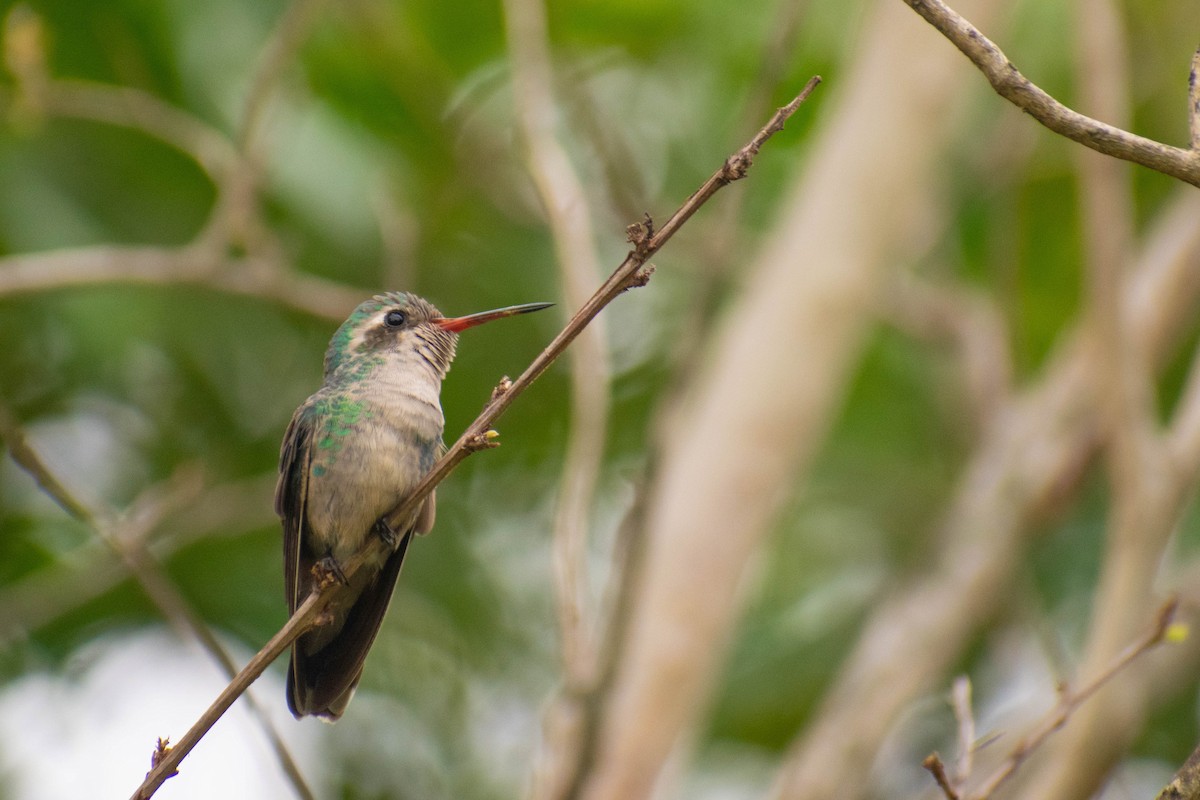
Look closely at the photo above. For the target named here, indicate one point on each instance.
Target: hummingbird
(352, 452)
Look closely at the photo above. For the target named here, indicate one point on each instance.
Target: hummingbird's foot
(387, 533)
(327, 572)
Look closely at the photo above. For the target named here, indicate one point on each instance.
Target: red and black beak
(459, 324)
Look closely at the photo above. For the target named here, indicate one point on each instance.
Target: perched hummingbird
(351, 453)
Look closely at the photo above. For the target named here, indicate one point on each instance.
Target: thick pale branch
(646, 243)
(1010, 84)
(566, 207)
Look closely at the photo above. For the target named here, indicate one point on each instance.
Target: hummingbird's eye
(394, 319)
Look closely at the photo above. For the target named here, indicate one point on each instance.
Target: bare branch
(307, 614)
(287, 37)
(975, 328)
(165, 266)
(92, 569)
(1017, 89)
(149, 574)
(1186, 783)
(1033, 456)
(303, 620)
(1070, 700)
(933, 763)
(616, 283)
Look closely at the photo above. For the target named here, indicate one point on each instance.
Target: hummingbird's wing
(291, 495)
(322, 680)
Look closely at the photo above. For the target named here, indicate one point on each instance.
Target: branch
(1032, 457)
(1021, 92)
(289, 34)
(149, 574)
(181, 509)
(1186, 783)
(566, 207)
(166, 266)
(1069, 700)
(475, 437)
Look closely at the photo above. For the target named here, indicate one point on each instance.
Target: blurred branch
(1017, 89)
(234, 218)
(148, 572)
(290, 32)
(1030, 457)
(38, 93)
(567, 210)
(135, 109)
(1068, 702)
(85, 573)
(185, 266)
(1147, 495)
(960, 695)
(975, 328)
(566, 207)
(631, 273)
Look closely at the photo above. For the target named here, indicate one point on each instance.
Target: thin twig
(1021, 92)
(473, 438)
(235, 217)
(933, 763)
(127, 107)
(1069, 700)
(289, 34)
(149, 574)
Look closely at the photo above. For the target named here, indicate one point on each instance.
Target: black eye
(394, 319)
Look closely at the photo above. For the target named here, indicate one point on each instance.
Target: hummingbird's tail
(325, 669)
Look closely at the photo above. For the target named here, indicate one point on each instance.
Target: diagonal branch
(628, 275)
(150, 575)
(1010, 84)
(1070, 699)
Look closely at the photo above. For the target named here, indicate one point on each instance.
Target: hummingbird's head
(402, 323)
(389, 324)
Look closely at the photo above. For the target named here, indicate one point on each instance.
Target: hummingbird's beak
(457, 324)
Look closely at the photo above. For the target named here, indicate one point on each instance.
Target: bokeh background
(911, 402)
